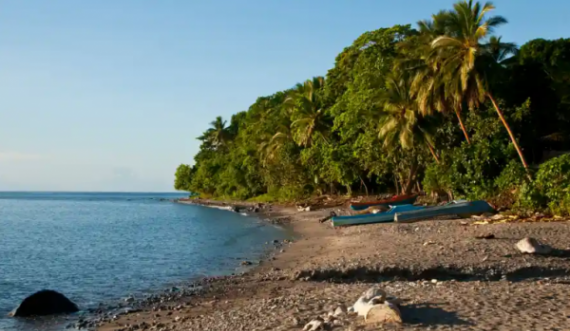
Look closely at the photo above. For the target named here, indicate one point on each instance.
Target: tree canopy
(449, 107)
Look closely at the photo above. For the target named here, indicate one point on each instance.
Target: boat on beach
(460, 208)
(382, 217)
(393, 201)
(409, 213)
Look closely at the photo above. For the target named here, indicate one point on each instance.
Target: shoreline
(423, 263)
(95, 318)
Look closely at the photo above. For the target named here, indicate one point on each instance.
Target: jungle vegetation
(447, 107)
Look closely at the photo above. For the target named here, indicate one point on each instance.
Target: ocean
(102, 247)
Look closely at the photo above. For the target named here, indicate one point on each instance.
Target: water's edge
(90, 318)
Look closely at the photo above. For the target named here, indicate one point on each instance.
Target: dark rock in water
(45, 302)
(235, 209)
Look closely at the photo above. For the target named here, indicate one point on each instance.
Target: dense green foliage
(551, 188)
(447, 105)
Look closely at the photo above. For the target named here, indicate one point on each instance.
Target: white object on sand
(367, 300)
(532, 246)
(314, 325)
(375, 307)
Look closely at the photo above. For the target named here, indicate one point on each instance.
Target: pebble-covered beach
(446, 275)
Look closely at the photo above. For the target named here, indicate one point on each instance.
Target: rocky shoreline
(448, 274)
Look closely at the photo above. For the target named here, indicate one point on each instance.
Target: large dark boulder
(45, 302)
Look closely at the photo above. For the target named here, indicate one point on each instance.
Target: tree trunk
(362, 183)
(525, 165)
(433, 153)
(407, 189)
(396, 185)
(462, 126)
(348, 190)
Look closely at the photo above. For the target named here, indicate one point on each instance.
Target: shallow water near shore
(102, 247)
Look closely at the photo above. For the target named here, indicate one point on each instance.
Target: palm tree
(427, 87)
(306, 111)
(401, 125)
(264, 109)
(217, 135)
(462, 56)
(269, 148)
(400, 121)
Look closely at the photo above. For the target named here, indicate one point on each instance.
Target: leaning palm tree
(421, 64)
(306, 111)
(463, 57)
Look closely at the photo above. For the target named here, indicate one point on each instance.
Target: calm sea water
(100, 247)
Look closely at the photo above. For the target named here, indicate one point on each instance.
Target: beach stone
(386, 312)
(339, 311)
(532, 246)
(367, 300)
(314, 325)
(45, 302)
(294, 321)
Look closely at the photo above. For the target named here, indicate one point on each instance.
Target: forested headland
(446, 107)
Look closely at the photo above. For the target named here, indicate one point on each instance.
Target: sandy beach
(445, 274)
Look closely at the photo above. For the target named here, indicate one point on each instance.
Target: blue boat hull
(384, 217)
(383, 203)
(460, 208)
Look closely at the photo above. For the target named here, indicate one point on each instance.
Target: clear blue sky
(109, 95)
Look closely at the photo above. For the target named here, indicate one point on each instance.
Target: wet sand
(446, 278)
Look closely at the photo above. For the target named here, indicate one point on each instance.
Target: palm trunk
(462, 126)
(525, 165)
(433, 153)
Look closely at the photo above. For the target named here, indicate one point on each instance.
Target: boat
(393, 201)
(382, 217)
(460, 208)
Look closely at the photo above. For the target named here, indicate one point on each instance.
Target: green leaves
(551, 187)
(183, 178)
(386, 118)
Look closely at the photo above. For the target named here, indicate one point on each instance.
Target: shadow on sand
(429, 314)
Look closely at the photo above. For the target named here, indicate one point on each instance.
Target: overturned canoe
(393, 201)
(387, 216)
(460, 208)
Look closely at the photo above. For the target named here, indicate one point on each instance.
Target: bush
(512, 177)
(509, 184)
(551, 187)
(436, 179)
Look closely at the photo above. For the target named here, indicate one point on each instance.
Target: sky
(108, 95)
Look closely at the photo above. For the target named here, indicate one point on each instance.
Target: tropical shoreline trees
(390, 115)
